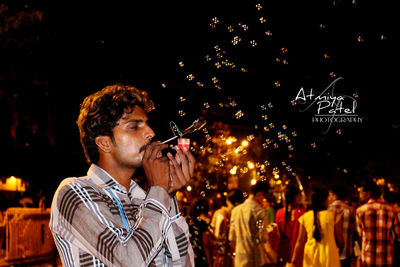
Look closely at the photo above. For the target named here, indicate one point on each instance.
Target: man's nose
(149, 133)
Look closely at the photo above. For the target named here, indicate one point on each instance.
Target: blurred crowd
(331, 226)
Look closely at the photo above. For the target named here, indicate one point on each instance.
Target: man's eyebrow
(135, 121)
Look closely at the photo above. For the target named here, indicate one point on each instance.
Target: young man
(377, 226)
(246, 229)
(344, 214)
(220, 226)
(105, 218)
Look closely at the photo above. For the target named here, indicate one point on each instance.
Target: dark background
(49, 66)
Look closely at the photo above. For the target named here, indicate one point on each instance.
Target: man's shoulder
(73, 184)
(238, 207)
(374, 205)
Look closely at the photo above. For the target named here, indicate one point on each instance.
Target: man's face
(364, 196)
(131, 135)
(332, 197)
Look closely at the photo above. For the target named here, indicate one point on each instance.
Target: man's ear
(104, 143)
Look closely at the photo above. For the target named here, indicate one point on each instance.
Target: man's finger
(147, 151)
(183, 160)
(176, 171)
(155, 153)
(192, 162)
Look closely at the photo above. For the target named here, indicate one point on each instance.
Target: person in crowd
(105, 218)
(200, 232)
(394, 199)
(345, 215)
(288, 225)
(268, 204)
(246, 229)
(220, 226)
(318, 234)
(377, 226)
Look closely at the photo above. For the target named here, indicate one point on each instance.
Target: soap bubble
(189, 77)
(268, 33)
(250, 137)
(243, 26)
(313, 145)
(236, 40)
(239, 114)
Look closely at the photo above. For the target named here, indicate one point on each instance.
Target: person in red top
(377, 226)
(288, 224)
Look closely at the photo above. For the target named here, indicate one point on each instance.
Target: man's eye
(134, 127)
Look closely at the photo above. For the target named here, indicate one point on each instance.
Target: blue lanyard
(121, 211)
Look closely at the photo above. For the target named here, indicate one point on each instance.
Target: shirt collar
(338, 202)
(103, 179)
(371, 200)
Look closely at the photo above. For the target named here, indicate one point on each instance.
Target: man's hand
(156, 166)
(181, 168)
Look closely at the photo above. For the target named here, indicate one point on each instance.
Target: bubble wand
(196, 125)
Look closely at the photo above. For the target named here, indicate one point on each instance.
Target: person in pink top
(288, 224)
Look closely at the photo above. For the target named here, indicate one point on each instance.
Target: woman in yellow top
(320, 236)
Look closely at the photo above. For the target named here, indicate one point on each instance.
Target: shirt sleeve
(358, 224)
(301, 219)
(396, 226)
(81, 218)
(232, 226)
(177, 241)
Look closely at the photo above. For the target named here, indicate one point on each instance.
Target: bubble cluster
(239, 114)
(236, 40)
(190, 77)
(214, 22)
(253, 43)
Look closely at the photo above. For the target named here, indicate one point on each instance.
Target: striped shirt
(378, 226)
(346, 214)
(95, 222)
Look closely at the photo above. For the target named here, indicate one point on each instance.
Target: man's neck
(255, 198)
(122, 175)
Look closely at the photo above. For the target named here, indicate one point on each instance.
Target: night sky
(306, 44)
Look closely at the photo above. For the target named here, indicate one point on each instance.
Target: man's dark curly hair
(101, 111)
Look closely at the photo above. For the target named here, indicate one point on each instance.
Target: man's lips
(143, 148)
